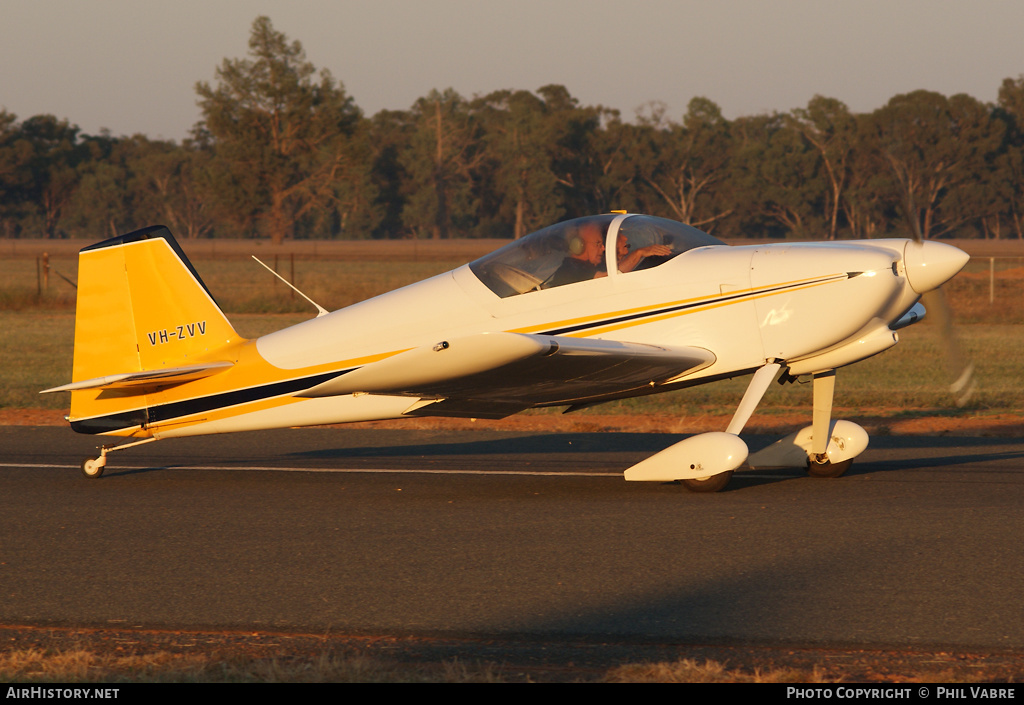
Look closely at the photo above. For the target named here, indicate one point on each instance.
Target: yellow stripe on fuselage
(687, 306)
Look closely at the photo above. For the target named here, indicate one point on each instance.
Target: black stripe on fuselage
(692, 305)
(189, 407)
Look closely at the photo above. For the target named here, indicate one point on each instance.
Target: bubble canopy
(584, 248)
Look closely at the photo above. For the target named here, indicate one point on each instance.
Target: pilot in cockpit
(586, 255)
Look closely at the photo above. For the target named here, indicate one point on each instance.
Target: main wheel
(827, 469)
(713, 483)
(91, 467)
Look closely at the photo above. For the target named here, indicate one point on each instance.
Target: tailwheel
(93, 467)
(823, 467)
(713, 483)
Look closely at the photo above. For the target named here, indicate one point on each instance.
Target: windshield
(574, 251)
(559, 254)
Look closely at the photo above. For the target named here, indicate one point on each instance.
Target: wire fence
(996, 269)
(55, 274)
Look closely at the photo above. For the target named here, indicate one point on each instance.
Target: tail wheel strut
(93, 467)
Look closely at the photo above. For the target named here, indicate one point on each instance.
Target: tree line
(282, 151)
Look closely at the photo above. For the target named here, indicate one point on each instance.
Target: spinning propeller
(960, 369)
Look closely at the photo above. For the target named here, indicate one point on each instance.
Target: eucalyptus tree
(575, 158)
(388, 135)
(168, 182)
(14, 157)
(196, 217)
(686, 163)
(778, 180)
(43, 154)
(441, 159)
(618, 185)
(102, 204)
(280, 133)
(933, 146)
(1010, 163)
(865, 200)
(830, 128)
(518, 132)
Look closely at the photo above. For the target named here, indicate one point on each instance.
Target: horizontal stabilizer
(147, 380)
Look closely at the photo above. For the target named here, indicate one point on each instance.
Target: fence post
(991, 280)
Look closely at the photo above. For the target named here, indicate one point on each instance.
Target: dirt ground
(519, 660)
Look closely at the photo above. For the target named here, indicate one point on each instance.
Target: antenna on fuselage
(321, 309)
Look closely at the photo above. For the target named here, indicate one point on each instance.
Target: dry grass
(84, 666)
(690, 671)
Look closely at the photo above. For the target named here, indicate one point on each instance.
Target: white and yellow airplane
(579, 313)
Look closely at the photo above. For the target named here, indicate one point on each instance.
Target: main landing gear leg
(93, 467)
(818, 463)
(759, 384)
(755, 391)
(826, 448)
(824, 387)
(705, 462)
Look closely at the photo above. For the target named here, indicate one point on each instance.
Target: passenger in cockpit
(628, 261)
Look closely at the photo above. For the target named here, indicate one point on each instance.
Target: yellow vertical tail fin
(144, 318)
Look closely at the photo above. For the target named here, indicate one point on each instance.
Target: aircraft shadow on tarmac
(619, 448)
(610, 442)
(575, 443)
(642, 444)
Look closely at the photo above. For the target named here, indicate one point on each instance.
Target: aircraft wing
(492, 375)
(147, 380)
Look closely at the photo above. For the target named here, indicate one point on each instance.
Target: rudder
(141, 308)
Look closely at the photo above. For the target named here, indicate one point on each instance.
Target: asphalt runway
(485, 533)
